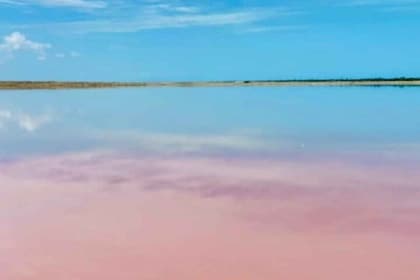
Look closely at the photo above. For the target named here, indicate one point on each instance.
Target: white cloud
(171, 7)
(10, 2)
(261, 29)
(71, 54)
(32, 123)
(82, 4)
(74, 3)
(26, 122)
(379, 2)
(5, 116)
(17, 41)
(188, 143)
(133, 16)
(384, 5)
(161, 20)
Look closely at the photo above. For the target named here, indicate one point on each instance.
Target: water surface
(226, 183)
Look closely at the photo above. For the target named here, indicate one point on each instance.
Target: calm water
(200, 184)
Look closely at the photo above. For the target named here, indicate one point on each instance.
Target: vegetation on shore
(308, 82)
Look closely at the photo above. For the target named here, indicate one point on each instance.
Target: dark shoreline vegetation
(374, 82)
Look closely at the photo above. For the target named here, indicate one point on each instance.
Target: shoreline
(22, 85)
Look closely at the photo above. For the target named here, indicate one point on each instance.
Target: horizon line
(35, 84)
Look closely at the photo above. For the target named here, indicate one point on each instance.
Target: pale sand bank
(8, 85)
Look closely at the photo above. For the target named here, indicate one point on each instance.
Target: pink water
(108, 215)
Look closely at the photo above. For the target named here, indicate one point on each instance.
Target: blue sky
(208, 40)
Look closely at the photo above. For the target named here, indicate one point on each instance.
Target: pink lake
(223, 184)
(112, 216)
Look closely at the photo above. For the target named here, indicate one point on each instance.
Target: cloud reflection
(315, 195)
(24, 121)
(108, 215)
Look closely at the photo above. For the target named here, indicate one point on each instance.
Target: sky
(153, 40)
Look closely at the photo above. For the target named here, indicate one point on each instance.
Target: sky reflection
(210, 184)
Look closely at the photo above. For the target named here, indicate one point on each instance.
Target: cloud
(322, 195)
(384, 5)
(32, 123)
(11, 2)
(82, 4)
(218, 214)
(128, 16)
(24, 121)
(74, 3)
(379, 2)
(167, 143)
(281, 28)
(17, 42)
(171, 7)
(71, 54)
(164, 21)
(5, 116)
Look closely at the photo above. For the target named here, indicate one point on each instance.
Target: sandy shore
(8, 85)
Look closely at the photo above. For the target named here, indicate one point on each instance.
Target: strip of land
(398, 82)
